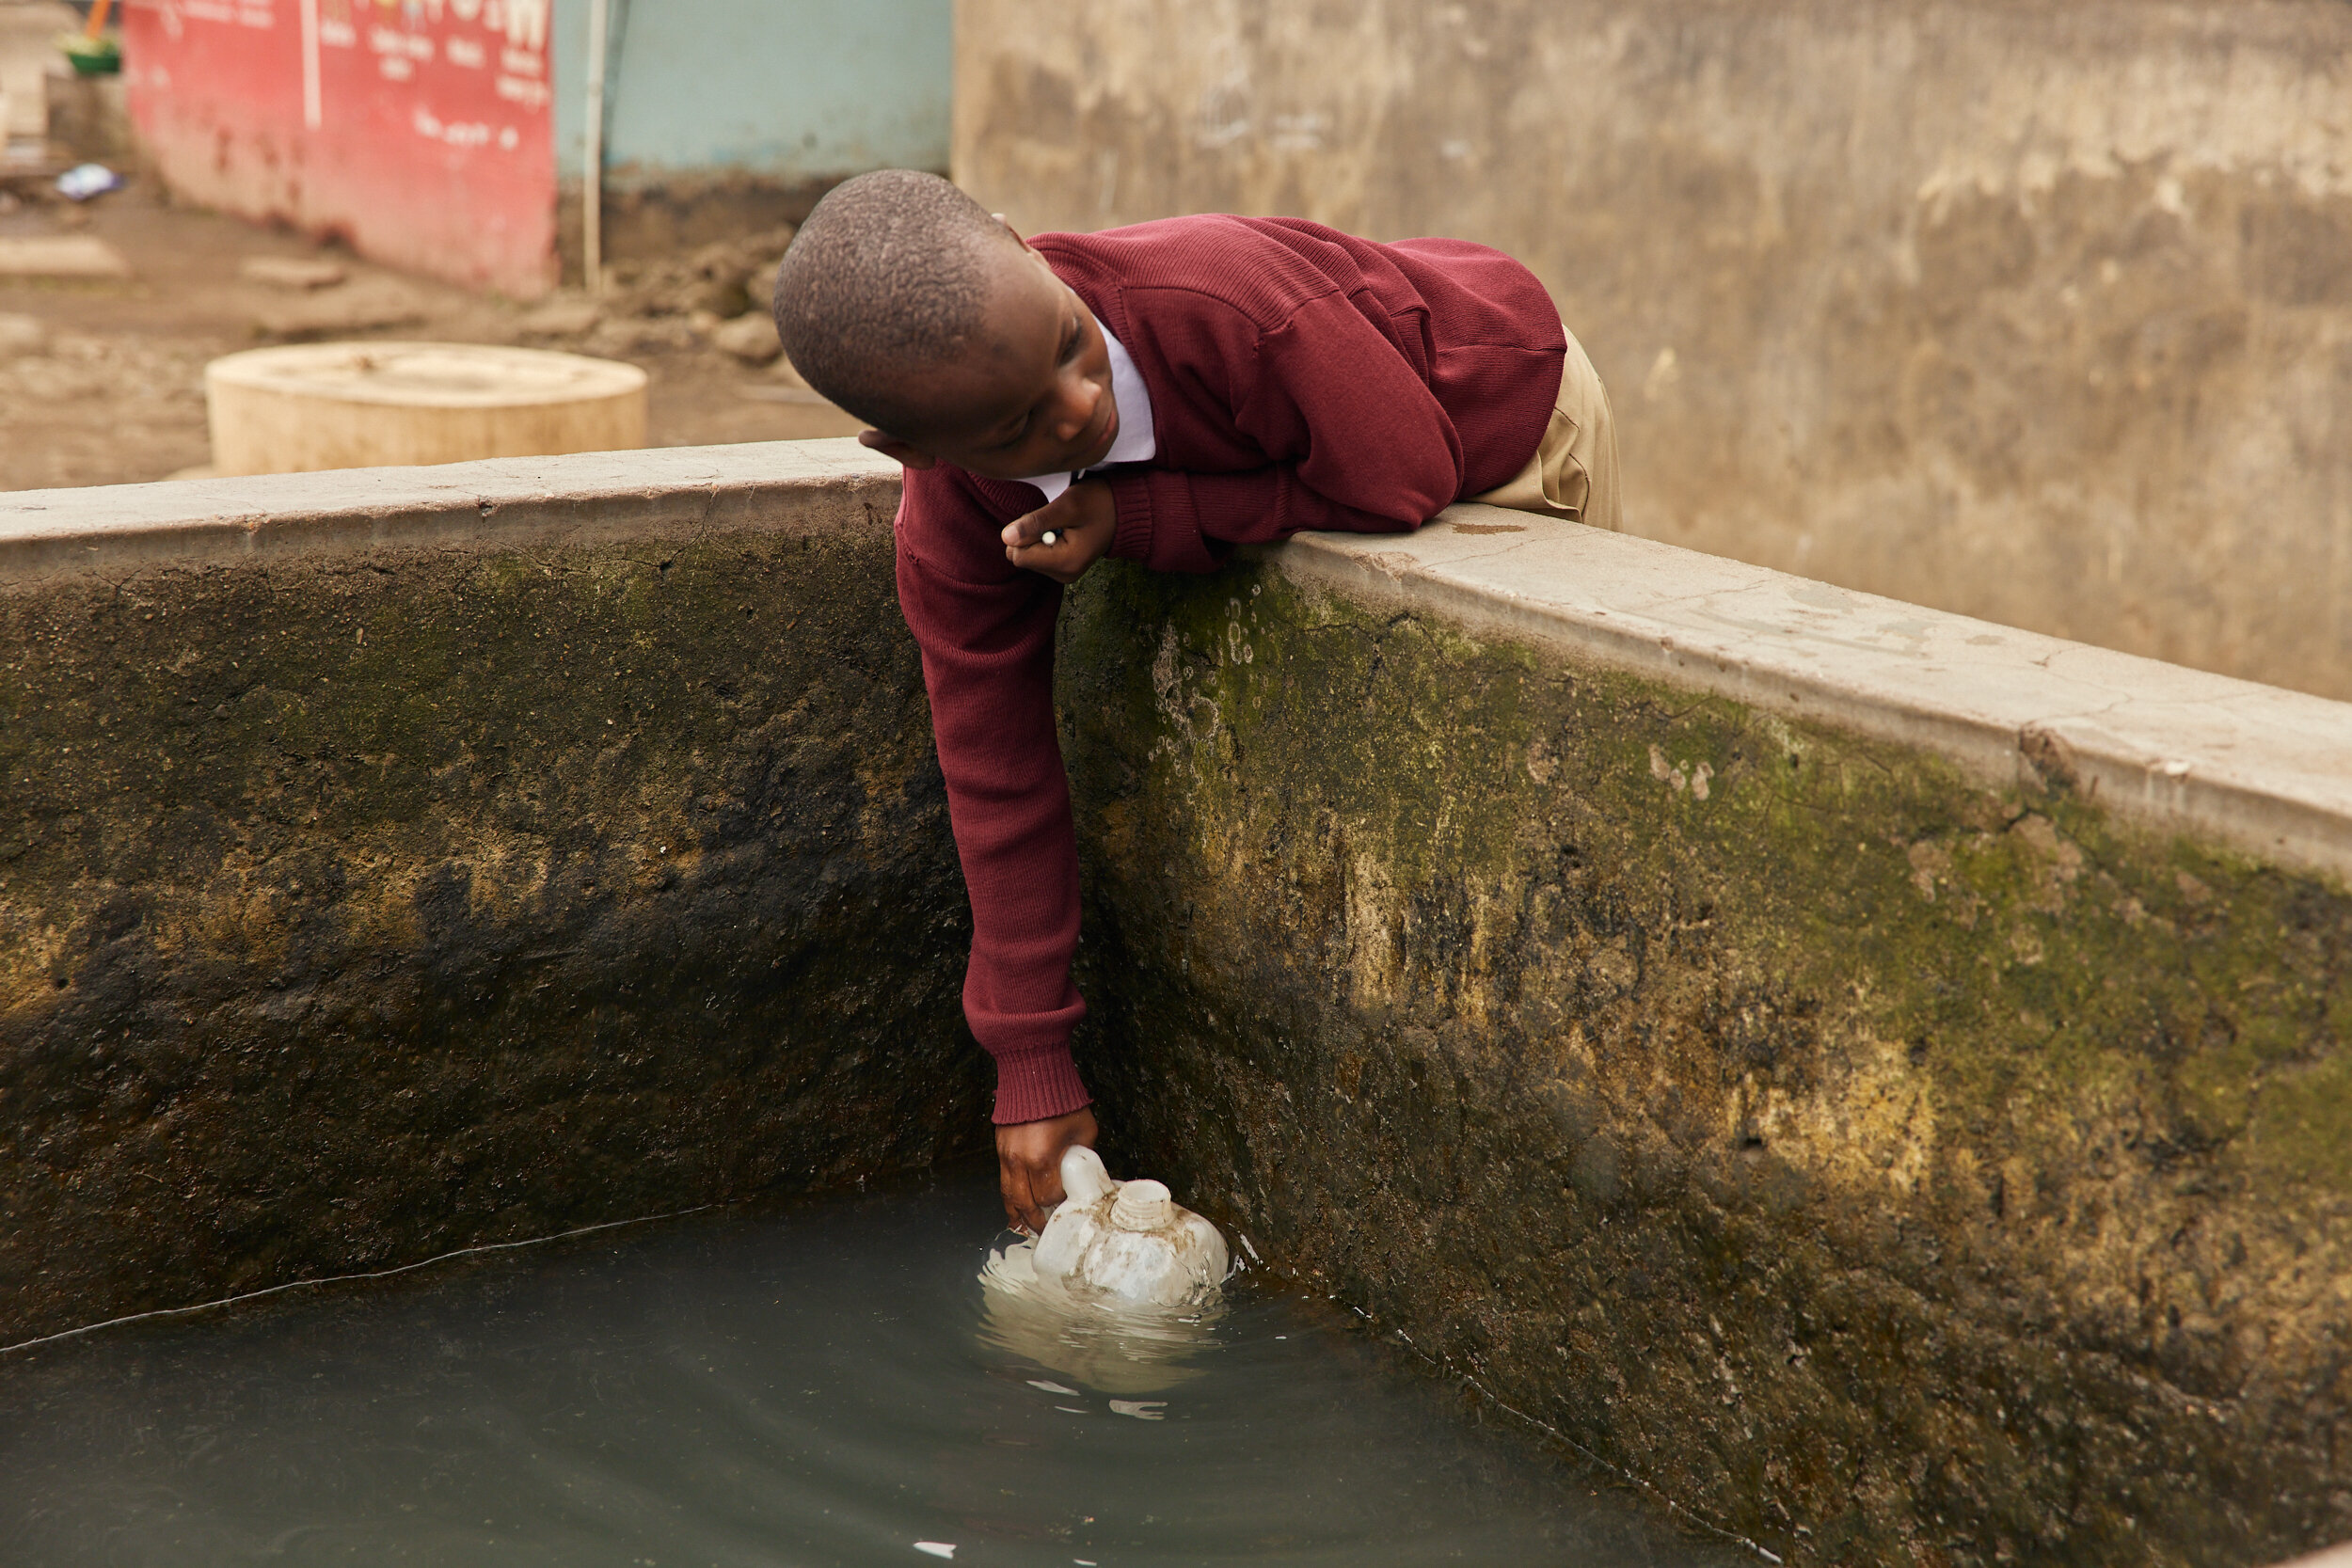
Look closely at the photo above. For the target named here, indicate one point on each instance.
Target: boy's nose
(1080, 399)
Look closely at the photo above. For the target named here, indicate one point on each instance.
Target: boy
(1160, 393)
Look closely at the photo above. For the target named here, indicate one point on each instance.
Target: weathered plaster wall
(1890, 1151)
(407, 859)
(2039, 313)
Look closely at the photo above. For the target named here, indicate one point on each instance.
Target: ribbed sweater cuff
(1131, 536)
(1155, 524)
(1035, 1085)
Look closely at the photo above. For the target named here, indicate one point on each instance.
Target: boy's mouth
(1100, 448)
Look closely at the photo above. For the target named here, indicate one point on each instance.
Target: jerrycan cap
(1142, 1204)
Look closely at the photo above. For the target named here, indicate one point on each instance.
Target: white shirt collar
(1136, 442)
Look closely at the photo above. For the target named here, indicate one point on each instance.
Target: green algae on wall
(354, 906)
(1890, 1167)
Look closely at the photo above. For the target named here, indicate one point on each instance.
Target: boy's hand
(1081, 519)
(1028, 1165)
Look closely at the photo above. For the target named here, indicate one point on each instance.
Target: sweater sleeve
(986, 631)
(1358, 443)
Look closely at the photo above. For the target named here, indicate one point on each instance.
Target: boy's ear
(1018, 238)
(901, 453)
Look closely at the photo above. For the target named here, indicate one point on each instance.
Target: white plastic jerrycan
(1128, 1240)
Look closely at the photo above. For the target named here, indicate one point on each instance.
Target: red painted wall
(419, 129)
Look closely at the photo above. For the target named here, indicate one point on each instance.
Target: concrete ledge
(594, 497)
(2339, 1557)
(2267, 770)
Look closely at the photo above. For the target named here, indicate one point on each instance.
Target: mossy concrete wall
(1876, 1077)
(403, 859)
(1879, 1078)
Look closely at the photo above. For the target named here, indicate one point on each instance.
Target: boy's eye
(1019, 433)
(1072, 337)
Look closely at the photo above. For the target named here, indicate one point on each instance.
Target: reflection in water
(1116, 1349)
(828, 1385)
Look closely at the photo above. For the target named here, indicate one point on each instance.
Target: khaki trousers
(1574, 471)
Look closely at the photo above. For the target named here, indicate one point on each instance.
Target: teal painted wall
(791, 89)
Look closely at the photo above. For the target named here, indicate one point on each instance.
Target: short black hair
(886, 278)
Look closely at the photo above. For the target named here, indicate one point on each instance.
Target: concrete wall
(728, 116)
(398, 859)
(422, 136)
(2039, 313)
(788, 89)
(1877, 1078)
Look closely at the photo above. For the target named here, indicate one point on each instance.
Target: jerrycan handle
(1083, 1178)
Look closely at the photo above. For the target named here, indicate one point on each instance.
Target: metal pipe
(313, 107)
(592, 154)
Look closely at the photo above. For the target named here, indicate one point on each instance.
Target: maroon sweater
(1300, 378)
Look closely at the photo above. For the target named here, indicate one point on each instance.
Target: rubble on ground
(726, 280)
(62, 256)
(715, 297)
(22, 336)
(750, 337)
(295, 273)
(564, 316)
(364, 305)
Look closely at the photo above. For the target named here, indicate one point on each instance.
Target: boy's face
(1035, 398)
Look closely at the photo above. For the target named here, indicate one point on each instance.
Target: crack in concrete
(1483, 554)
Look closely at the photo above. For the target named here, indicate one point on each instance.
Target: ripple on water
(826, 1385)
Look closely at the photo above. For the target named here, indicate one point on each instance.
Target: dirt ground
(105, 383)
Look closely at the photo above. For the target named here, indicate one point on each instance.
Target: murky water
(823, 1385)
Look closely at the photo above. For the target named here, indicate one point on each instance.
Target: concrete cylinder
(357, 405)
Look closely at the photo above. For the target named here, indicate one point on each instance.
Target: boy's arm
(1361, 445)
(986, 631)
(1180, 522)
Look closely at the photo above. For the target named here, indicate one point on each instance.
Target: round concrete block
(358, 405)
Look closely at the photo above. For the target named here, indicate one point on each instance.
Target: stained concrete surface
(2039, 313)
(453, 863)
(1682, 999)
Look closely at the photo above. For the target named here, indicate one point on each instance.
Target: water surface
(812, 1385)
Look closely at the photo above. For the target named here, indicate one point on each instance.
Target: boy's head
(905, 302)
